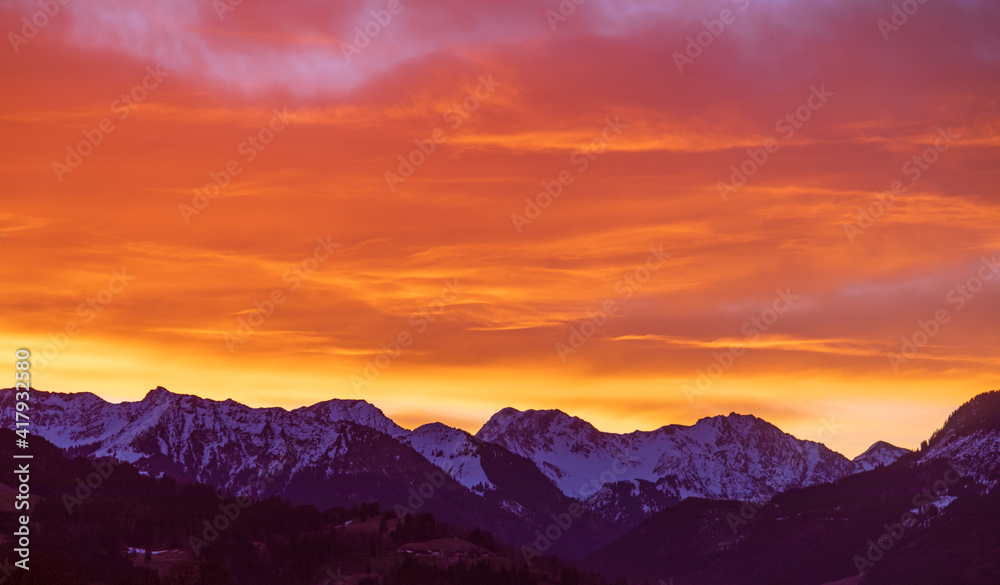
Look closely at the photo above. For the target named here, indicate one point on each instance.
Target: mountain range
(520, 467)
(728, 500)
(929, 518)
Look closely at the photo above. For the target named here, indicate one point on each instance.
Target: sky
(637, 212)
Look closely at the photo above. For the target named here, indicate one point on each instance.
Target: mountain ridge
(572, 452)
(932, 513)
(362, 412)
(346, 451)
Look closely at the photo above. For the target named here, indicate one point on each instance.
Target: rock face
(878, 455)
(206, 440)
(525, 464)
(625, 476)
(971, 438)
(710, 502)
(454, 451)
(936, 508)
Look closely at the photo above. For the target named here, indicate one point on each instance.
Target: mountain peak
(879, 454)
(158, 393)
(354, 410)
(436, 427)
(729, 422)
(971, 438)
(554, 421)
(877, 445)
(736, 417)
(982, 413)
(161, 395)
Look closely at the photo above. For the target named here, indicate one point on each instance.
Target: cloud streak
(654, 185)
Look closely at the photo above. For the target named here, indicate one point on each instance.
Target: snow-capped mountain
(525, 464)
(935, 508)
(208, 440)
(220, 443)
(454, 451)
(878, 455)
(339, 452)
(325, 455)
(736, 457)
(356, 411)
(970, 438)
(668, 493)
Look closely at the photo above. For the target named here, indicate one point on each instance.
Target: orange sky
(448, 258)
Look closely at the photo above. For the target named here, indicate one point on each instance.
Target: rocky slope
(933, 514)
(628, 476)
(520, 468)
(878, 455)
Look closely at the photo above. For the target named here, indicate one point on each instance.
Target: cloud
(655, 185)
